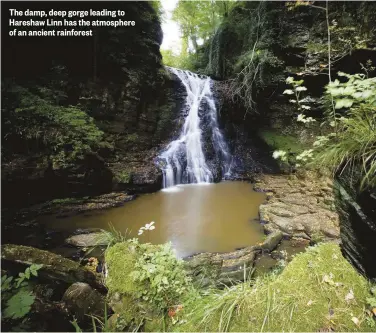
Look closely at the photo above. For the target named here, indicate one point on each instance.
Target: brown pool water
(194, 218)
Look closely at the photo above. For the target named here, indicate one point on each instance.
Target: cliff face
(260, 44)
(116, 77)
(358, 227)
(294, 41)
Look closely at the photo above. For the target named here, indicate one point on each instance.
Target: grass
(312, 293)
(354, 146)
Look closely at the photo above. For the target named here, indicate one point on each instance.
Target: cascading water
(184, 158)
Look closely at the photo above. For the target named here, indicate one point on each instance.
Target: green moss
(311, 294)
(132, 138)
(154, 325)
(123, 176)
(120, 260)
(279, 141)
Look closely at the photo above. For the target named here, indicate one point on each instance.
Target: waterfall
(184, 159)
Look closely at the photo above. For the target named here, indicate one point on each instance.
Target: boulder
(81, 300)
(88, 239)
(55, 267)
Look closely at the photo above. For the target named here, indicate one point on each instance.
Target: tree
(198, 20)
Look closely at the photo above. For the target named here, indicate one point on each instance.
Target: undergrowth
(319, 290)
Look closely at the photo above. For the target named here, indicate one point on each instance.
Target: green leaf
(343, 103)
(27, 273)
(371, 301)
(6, 283)
(19, 305)
(34, 269)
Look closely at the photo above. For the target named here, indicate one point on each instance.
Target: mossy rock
(55, 267)
(317, 291)
(124, 293)
(121, 259)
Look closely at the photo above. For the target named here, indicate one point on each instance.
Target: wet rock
(81, 300)
(73, 206)
(204, 268)
(55, 267)
(231, 278)
(88, 239)
(272, 241)
(296, 208)
(358, 228)
(217, 269)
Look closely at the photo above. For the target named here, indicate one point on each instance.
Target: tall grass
(353, 146)
(310, 295)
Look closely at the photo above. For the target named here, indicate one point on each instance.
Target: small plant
(16, 294)
(301, 104)
(353, 143)
(148, 226)
(297, 89)
(164, 274)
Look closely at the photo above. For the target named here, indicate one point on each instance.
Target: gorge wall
(116, 78)
(252, 53)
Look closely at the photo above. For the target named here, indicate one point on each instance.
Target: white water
(184, 158)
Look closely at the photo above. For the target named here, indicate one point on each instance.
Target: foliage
(19, 305)
(35, 121)
(199, 19)
(16, 295)
(351, 111)
(353, 142)
(32, 270)
(123, 176)
(298, 88)
(163, 274)
(147, 277)
(317, 290)
(241, 51)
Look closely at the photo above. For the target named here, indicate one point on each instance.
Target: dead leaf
(350, 296)
(355, 321)
(328, 279)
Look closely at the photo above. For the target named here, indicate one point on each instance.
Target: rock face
(55, 267)
(228, 268)
(302, 208)
(118, 79)
(358, 229)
